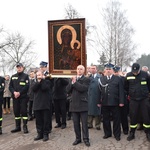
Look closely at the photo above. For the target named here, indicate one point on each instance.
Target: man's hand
(121, 105)
(16, 94)
(74, 79)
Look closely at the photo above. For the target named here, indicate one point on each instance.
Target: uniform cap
(108, 65)
(135, 67)
(116, 68)
(43, 64)
(19, 65)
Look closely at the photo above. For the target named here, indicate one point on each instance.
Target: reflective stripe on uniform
(129, 78)
(146, 126)
(133, 126)
(143, 82)
(1, 119)
(17, 118)
(14, 78)
(25, 118)
(22, 83)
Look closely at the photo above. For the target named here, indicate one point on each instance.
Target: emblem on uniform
(27, 81)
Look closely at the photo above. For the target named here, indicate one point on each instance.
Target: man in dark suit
(78, 87)
(60, 98)
(112, 92)
(44, 70)
(124, 111)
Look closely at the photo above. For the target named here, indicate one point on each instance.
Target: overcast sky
(30, 17)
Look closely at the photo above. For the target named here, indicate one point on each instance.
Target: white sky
(30, 18)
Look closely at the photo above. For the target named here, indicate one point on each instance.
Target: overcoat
(94, 96)
(42, 95)
(79, 94)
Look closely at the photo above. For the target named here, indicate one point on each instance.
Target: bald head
(80, 70)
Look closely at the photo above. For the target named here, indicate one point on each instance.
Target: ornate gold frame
(66, 43)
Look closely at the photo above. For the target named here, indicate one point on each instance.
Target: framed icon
(66, 43)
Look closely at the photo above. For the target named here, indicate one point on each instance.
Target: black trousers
(115, 110)
(83, 117)
(30, 108)
(124, 117)
(137, 107)
(20, 107)
(1, 101)
(6, 101)
(42, 121)
(60, 109)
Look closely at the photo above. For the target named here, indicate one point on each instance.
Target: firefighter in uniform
(112, 98)
(137, 84)
(2, 86)
(19, 85)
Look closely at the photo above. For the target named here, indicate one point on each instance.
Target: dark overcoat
(42, 95)
(79, 94)
(94, 96)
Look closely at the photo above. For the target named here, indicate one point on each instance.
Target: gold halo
(74, 34)
(76, 41)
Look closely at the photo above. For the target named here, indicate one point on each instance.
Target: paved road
(62, 139)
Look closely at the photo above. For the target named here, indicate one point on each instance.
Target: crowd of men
(88, 97)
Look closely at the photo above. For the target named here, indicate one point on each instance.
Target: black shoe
(117, 138)
(58, 125)
(76, 142)
(39, 137)
(0, 130)
(98, 128)
(148, 136)
(87, 143)
(131, 136)
(45, 137)
(106, 136)
(63, 126)
(17, 129)
(125, 132)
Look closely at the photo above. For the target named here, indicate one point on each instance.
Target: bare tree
(114, 37)
(18, 50)
(71, 12)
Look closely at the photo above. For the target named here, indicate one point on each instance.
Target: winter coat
(94, 96)
(79, 94)
(42, 95)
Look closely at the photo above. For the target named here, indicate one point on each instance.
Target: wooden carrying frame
(66, 43)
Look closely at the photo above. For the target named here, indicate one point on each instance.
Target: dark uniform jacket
(112, 91)
(59, 89)
(2, 86)
(20, 83)
(42, 95)
(138, 86)
(79, 94)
